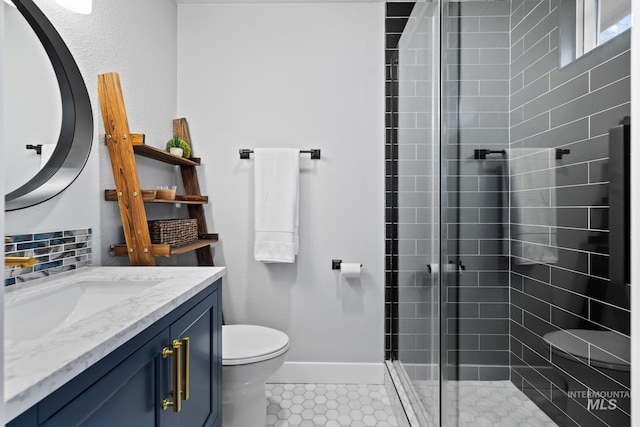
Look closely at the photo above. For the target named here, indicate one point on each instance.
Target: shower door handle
(450, 267)
(619, 203)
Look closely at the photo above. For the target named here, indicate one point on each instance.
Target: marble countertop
(35, 368)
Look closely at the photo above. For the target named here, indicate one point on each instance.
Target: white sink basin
(34, 315)
(58, 326)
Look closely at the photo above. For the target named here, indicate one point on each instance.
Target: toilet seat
(244, 344)
(572, 341)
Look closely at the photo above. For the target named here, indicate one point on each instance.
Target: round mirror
(48, 117)
(31, 96)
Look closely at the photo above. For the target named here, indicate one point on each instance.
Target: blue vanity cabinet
(127, 387)
(202, 406)
(127, 396)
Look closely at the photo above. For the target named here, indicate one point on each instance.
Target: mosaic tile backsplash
(55, 252)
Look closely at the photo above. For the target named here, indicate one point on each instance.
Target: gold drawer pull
(176, 362)
(185, 369)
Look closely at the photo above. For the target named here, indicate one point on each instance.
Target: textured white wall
(2, 229)
(138, 40)
(294, 75)
(635, 207)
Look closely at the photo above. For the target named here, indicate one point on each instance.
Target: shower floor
(485, 403)
(328, 405)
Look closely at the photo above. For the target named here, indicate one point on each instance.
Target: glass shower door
(535, 323)
(416, 147)
(475, 283)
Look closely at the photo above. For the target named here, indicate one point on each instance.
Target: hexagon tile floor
(486, 404)
(328, 405)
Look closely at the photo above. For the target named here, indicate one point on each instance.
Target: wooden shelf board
(112, 196)
(201, 243)
(179, 201)
(162, 156)
(167, 250)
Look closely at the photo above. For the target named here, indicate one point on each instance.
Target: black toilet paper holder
(335, 264)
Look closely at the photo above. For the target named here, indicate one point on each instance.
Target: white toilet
(578, 348)
(250, 355)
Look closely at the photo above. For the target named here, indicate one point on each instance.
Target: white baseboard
(329, 373)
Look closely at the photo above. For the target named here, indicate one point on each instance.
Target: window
(615, 17)
(586, 24)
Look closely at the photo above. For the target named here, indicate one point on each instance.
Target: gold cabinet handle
(185, 369)
(176, 362)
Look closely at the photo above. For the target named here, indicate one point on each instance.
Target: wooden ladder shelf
(123, 146)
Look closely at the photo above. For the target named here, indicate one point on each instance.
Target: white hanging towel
(537, 228)
(277, 176)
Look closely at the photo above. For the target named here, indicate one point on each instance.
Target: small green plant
(178, 142)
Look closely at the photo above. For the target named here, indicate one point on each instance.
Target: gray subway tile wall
(573, 108)
(397, 15)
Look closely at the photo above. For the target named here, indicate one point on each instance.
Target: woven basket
(175, 232)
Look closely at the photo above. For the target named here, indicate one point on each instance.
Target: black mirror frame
(76, 133)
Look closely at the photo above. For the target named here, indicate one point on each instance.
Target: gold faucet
(18, 261)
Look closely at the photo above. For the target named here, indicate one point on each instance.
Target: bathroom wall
(476, 114)
(573, 108)
(635, 200)
(1, 228)
(137, 39)
(305, 76)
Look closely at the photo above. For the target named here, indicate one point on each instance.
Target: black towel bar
(315, 153)
(482, 153)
